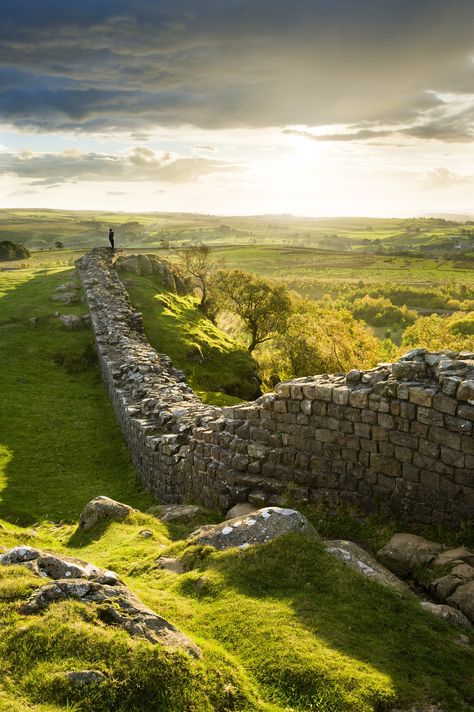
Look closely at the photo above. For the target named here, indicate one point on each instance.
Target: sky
(231, 107)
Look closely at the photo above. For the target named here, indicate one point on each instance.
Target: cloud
(442, 178)
(141, 164)
(132, 65)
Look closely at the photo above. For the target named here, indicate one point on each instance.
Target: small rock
(258, 498)
(262, 526)
(462, 553)
(103, 508)
(447, 613)
(82, 678)
(70, 321)
(66, 298)
(19, 554)
(463, 598)
(240, 510)
(404, 552)
(146, 533)
(170, 564)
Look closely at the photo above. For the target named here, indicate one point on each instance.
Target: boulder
(362, 562)
(117, 606)
(452, 556)
(447, 613)
(240, 510)
(177, 512)
(404, 552)
(262, 526)
(148, 265)
(101, 509)
(57, 566)
(463, 598)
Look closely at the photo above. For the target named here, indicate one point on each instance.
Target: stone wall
(397, 438)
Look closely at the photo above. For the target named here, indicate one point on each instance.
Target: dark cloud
(142, 164)
(134, 64)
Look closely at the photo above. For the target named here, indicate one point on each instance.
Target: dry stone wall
(397, 438)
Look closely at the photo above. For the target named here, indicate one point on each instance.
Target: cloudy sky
(314, 107)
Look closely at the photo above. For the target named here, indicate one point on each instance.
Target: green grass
(175, 326)
(283, 626)
(60, 445)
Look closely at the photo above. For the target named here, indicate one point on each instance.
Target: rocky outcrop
(416, 558)
(81, 581)
(363, 563)
(260, 527)
(103, 509)
(151, 265)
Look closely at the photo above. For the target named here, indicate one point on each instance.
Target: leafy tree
(195, 262)
(10, 251)
(262, 304)
(437, 332)
(58, 244)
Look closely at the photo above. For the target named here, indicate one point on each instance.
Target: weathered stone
(447, 613)
(66, 298)
(404, 552)
(102, 509)
(262, 526)
(461, 554)
(70, 321)
(118, 606)
(465, 392)
(84, 678)
(463, 598)
(171, 564)
(362, 562)
(240, 510)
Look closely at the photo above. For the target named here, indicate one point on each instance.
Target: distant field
(38, 229)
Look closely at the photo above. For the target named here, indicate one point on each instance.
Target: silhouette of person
(111, 239)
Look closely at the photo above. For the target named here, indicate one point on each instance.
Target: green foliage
(318, 339)
(379, 311)
(442, 332)
(216, 367)
(10, 251)
(263, 305)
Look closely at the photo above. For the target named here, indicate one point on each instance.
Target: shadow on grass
(59, 429)
(345, 612)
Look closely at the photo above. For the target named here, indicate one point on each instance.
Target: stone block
(465, 391)
(386, 465)
(452, 457)
(368, 416)
(323, 392)
(440, 435)
(340, 395)
(403, 454)
(422, 396)
(443, 403)
(403, 439)
(465, 411)
(428, 416)
(359, 398)
(458, 425)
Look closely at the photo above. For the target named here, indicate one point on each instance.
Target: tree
(262, 304)
(195, 263)
(58, 244)
(10, 251)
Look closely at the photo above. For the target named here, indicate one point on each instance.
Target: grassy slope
(59, 443)
(288, 626)
(175, 326)
(283, 627)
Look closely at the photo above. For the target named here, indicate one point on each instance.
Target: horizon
(238, 109)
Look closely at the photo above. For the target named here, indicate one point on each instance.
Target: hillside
(282, 626)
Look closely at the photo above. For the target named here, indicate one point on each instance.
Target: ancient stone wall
(397, 438)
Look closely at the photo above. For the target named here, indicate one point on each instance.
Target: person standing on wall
(111, 239)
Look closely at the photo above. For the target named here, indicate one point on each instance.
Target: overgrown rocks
(361, 561)
(262, 526)
(103, 509)
(404, 552)
(151, 265)
(57, 566)
(116, 605)
(444, 573)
